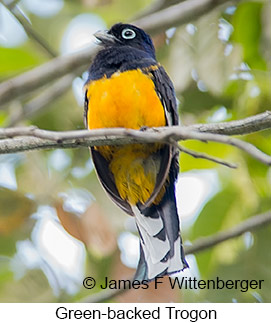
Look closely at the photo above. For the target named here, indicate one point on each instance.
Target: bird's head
(126, 35)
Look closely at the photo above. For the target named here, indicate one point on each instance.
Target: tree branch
(177, 14)
(201, 244)
(204, 156)
(75, 63)
(45, 73)
(258, 122)
(34, 138)
(37, 104)
(252, 224)
(155, 6)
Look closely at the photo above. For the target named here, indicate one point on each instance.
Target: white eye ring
(128, 33)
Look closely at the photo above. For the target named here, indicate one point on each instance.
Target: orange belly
(127, 100)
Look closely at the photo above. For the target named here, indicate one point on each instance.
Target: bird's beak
(105, 38)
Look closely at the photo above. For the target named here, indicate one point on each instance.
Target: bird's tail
(161, 250)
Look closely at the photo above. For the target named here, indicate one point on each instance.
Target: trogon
(127, 87)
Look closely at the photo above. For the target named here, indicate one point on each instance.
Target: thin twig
(196, 154)
(29, 30)
(252, 224)
(250, 149)
(13, 3)
(207, 157)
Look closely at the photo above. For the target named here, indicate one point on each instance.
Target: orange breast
(126, 100)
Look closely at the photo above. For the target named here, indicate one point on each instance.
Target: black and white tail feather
(161, 250)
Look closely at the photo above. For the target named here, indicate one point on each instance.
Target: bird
(127, 87)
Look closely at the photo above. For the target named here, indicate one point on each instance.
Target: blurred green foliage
(220, 65)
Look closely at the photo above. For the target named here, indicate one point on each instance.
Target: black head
(126, 35)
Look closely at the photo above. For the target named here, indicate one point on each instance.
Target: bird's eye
(128, 33)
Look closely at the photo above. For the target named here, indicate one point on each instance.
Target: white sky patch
(43, 8)
(170, 32)
(80, 172)
(191, 29)
(246, 76)
(193, 189)
(225, 30)
(242, 72)
(27, 251)
(7, 175)
(248, 239)
(59, 160)
(221, 114)
(63, 256)
(64, 251)
(12, 33)
(228, 49)
(129, 247)
(230, 10)
(78, 90)
(201, 86)
(255, 91)
(194, 74)
(244, 67)
(76, 200)
(79, 32)
(25, 258)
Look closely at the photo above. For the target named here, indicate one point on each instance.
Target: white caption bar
(154, 312)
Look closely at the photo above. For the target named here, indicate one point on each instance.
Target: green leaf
(187, 162)
(3, 117)
(251, 264)
(15, 60)
(195, 101)
(5, 270)
(247, 31)
(32, 287)
(210, 221)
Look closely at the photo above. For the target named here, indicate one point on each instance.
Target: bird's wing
(107, 180)
(165, 91)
